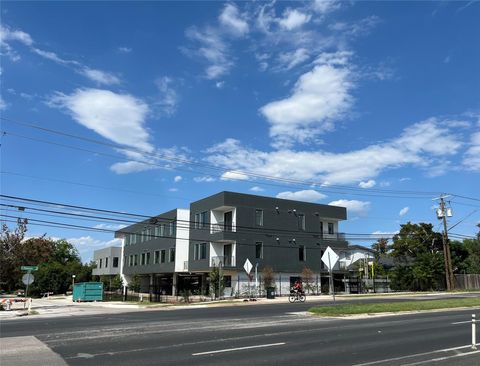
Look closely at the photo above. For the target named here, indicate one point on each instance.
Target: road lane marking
(464, 322)
(442, 358)
(238, 349)
(411, 356)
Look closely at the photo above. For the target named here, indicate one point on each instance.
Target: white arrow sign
(248, 266)
(330, 258)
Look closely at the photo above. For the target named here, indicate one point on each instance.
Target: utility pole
(442, 213)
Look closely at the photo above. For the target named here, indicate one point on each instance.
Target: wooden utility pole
(442, 214)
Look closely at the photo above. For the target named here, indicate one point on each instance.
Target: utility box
(88, 291)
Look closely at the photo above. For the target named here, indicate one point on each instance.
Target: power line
(204, 165)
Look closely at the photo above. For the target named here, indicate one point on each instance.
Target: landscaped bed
(393, 307)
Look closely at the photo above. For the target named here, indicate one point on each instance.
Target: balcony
(221, 227)
(222, 261)
(334, 236)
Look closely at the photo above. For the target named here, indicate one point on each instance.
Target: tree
(10, 242)
(217, 284)
(473, 248)
(307, 278)
(268, 277)
(419, 253)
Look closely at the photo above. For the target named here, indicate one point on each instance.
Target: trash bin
(270, 292)
(88, 291)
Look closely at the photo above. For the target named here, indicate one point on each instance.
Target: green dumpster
(88, 291)
(270, 292)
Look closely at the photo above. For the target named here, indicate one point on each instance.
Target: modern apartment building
(108, 261)
(177, 250)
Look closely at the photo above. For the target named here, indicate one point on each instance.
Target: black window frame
(115, 262)
(332, 226)
(259, 219)
(301, 222)
(258, 255)
(302, 253)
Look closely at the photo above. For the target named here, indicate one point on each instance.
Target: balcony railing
(222, 261)
(221, 227)
(334, 236)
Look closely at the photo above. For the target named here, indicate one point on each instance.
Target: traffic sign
(29, 268)
(28, 279)
(248, 266)
(330, 258)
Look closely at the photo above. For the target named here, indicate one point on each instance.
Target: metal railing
(222, 227)
(223, 261)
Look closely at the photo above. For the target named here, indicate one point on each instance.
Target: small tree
(268, 277)
(307, 278)
(217, 284)
(134, 284)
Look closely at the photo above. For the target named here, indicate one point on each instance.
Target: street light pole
(73, 283)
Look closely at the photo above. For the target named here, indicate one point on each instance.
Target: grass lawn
(389, 307)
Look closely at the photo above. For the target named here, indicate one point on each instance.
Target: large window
(135, 260)
(127, 240)
(227, 281)
(301, 222)
(259, 217)
(100, 263)
(156, 257)
(143, 259)
(331, 228)
(148, 259)
(171, 255)
(197, 221)
(203, 219)
(106, 262)
(259, 250)
(115, 262)
(133, 238)
(302, 253)
(200, 251)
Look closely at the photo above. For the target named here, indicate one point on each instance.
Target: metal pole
(332, 289)
(446, 248)
(256, 280)
(474, 333)
(26, 291)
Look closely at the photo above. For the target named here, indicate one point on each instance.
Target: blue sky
(348, 103)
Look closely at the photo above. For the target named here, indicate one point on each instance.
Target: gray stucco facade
(108, 261)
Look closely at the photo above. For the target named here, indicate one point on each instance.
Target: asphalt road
(279, 334)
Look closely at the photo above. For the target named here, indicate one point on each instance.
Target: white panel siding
(182, 240)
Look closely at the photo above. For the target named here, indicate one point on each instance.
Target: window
(331, 228)
(200, 251)
(259, 250)
(144, 235)
(322, 265)
(301, 222)
(143, 259)
(171, 229)
(100, 263)
(130, 260)
(150, 233)
(171, 256)
(106, 262)
(227, 281)
(133, 238)
(115, 262)
(321, 228)
(162, 256)
(156, 257)
(135, 260)
(127, 240)
(197, 221)
(301, 253)
(259, 217)
(148, 259)
(203, 220)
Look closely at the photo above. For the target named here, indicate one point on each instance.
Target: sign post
(330, 258)
(248, 268)
(28, 278)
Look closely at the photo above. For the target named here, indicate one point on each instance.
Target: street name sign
(29, 268)
(330, 258)
(248, 266)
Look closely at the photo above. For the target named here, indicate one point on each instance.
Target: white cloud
(471, 159)
(87, 244)
(113, 227)
(131, 167)
(325, 6)
(415, 147)
(318, 98)
(173, 189)
(232, 21)
(386, 233)
(292, 18)
(207, 179)
(168, 99)
(404, 211)
(117, 117)
(288, 60)
(308, 195)
(7, 34)
(52, 56)
(100, 77)
(3, 104)
(212, 49)
(177, 178)
(358, 207)
(257, 189)
(368, 184)
(124, 49)
(233, 176)
(220, 84)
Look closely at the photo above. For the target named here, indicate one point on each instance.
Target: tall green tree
(473, 248)
(418, 251)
